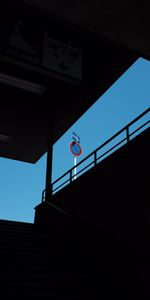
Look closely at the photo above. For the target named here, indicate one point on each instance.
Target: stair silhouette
(74, 263)
(36, 262)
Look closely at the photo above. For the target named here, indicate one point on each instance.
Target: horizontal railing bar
(66, 173)
(88, 156)
(139, 128)
(101, 146)
(72, 177)
(138, 117)
(121, 130)
(99, 157)
(91, 163)
(111, 138)
(61, 185)
(83, 169)
(111, 148)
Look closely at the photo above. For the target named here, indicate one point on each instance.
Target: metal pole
(75, 169)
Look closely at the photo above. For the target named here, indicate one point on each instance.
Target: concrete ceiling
(127, 21)
(111, 35)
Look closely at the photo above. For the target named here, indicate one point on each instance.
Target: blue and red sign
(75, 148)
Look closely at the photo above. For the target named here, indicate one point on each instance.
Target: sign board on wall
(62, 58)
(29, 44)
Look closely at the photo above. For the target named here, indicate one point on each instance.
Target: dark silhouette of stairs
(77, 262)
(36, 262)
(24, 269)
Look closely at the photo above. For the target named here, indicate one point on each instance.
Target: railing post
(127, 134)
(70, 176)
(43, 196)
(95, 158)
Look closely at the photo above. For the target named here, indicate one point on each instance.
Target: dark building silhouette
(91, 238)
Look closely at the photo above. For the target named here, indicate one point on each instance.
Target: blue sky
(21, 184)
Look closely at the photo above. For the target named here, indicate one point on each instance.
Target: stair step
(31, 267)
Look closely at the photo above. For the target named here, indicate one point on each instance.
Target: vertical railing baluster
(127, 134)
(70, 176)
(95, 158)
(43, 195)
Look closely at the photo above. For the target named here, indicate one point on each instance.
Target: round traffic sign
(75, 148)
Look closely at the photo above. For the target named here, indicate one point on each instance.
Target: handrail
(94, 153)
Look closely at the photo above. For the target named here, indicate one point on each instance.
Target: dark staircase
(74, 263)
(24, 270)
(36, 262)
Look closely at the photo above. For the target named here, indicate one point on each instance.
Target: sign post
(75, 169)
(76, 150)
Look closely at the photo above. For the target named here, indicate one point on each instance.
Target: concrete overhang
(30, 118)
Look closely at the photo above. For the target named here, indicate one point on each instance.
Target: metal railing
(95, 156)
